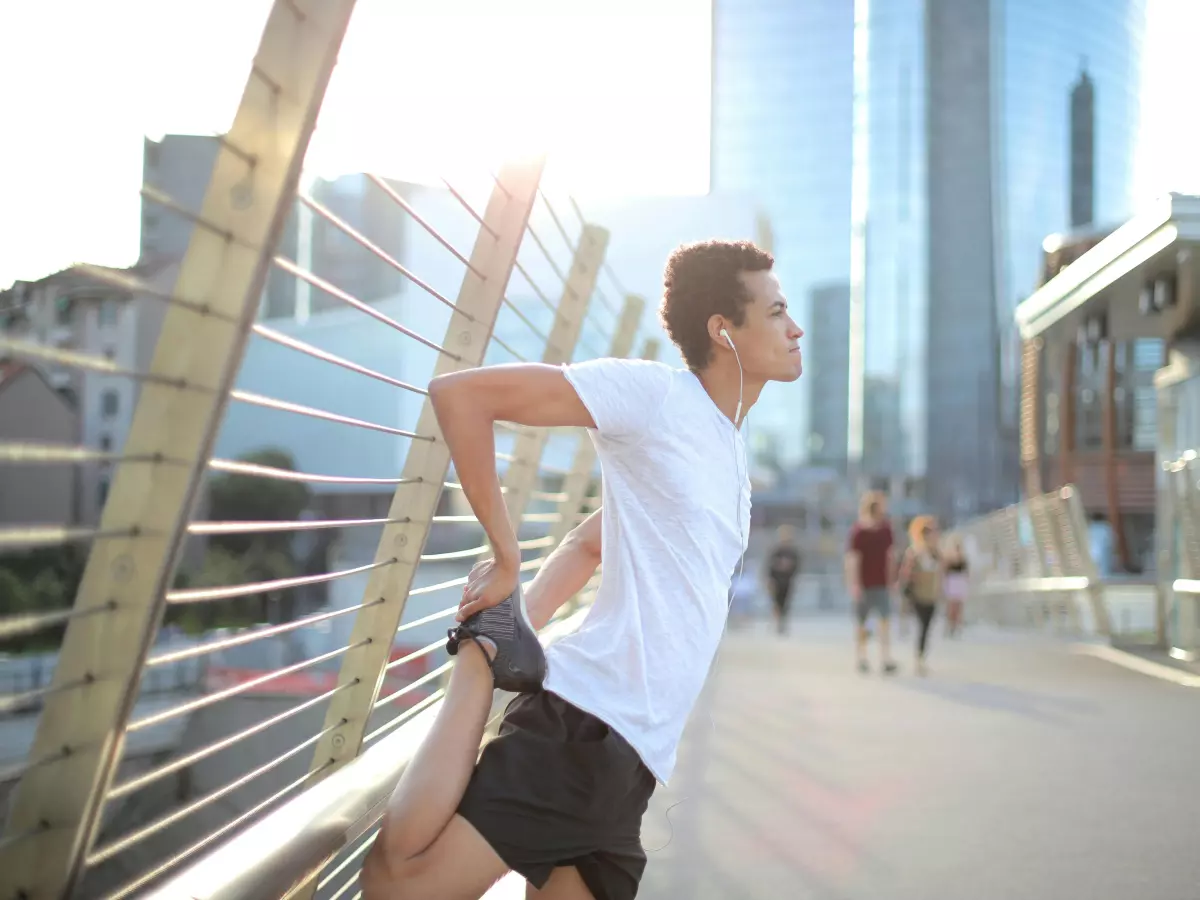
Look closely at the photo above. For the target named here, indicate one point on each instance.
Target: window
(110, 353)
(110, 403)
(62, 310)
(1139, 424)
(1145, 418)
(106, 443)
(102, 492)
(108, 313)
(1148, 354)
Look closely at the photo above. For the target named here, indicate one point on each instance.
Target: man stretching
(559, 795)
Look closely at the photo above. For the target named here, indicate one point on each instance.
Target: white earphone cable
(737, 461)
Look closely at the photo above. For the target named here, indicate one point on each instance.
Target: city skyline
(963, 165)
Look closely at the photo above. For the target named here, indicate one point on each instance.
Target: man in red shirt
(870, 574)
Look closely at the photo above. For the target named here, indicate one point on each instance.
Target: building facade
(179, 166)
(76, 312)
(1111, 346)
(827, 373)
(982, 125)
(32, 410)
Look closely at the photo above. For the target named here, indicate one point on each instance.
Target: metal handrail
(292, 844)
(1037, 585)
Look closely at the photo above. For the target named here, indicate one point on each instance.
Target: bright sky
(1168, 159)
(617, 92)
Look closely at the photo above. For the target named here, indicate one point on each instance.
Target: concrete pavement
(1017, 769)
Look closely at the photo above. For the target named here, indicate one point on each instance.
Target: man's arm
(565, 572)
(468, 404)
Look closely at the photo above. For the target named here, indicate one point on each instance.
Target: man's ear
(716, 322)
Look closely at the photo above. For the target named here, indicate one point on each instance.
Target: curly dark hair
(702, 280)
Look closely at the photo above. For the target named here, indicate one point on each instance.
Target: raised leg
(460, 865)
(423, 806)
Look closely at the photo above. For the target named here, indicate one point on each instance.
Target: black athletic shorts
(558, 787)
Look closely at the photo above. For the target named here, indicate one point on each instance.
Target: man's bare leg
(420, 830)
(885, 642)
(425, 800)
(460, 865)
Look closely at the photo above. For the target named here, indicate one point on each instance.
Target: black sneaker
(519, 665)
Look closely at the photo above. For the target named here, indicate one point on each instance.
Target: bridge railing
(312, 639)
(1032, 564)
(1179, 552)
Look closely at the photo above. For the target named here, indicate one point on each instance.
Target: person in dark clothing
(870, 575)
(783, 564)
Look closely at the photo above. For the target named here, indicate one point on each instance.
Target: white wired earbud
(737, 416)
(737, 423)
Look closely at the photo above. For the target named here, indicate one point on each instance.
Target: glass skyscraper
(781, 135)
(963, 125)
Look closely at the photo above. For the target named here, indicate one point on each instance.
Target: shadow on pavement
(1045, 708)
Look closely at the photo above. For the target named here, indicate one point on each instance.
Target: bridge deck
(1016, 769)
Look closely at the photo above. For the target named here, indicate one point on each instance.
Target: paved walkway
(1017, 769)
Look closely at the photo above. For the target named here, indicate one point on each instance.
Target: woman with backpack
(922, 574)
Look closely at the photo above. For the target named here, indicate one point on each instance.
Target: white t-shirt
(676, 521)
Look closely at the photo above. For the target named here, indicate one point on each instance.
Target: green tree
(251, 498)
(35, 581)
(233, 559)
(15, 596)
(20, 595)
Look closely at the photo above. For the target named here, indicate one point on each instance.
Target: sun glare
(617, 93)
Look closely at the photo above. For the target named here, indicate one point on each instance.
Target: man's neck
(722, 380)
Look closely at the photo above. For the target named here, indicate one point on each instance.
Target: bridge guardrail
(351, 630)
(1032, 564)
(284, 853)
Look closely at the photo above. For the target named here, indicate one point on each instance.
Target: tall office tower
(781, 135)
(967, 162)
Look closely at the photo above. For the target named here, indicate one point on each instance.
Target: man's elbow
(586, 542)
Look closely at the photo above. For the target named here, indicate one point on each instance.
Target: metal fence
(149, 754)
(1032, 564)
(1179, 553)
